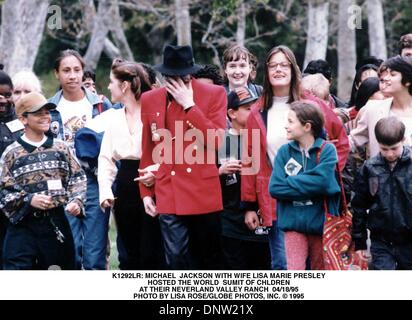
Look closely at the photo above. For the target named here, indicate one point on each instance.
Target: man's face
(186, 78)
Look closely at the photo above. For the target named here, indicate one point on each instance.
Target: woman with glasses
(281, 87)
(269, 116)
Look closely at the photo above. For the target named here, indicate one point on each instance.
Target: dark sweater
(233, 218)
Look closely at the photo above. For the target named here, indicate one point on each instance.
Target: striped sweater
(25, 171)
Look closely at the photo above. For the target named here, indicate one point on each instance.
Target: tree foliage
(150, 24)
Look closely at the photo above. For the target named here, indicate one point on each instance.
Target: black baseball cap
(240, 97)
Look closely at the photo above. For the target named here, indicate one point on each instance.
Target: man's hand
(251, 220)
(181, 92)
(42, 202)
(73, 208)
(150, 206)
(147, 177)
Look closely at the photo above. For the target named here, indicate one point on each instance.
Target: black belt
(39, 214)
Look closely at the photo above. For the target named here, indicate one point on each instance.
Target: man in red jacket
(183, 124)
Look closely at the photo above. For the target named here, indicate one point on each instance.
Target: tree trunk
(376, 24)
(317, 41)
(89, 13)
(21, 33)
(110, 49)
(100, 31)
(89, 16)
(183, 30)
(117, 32)
(241, 24)
(346, 50)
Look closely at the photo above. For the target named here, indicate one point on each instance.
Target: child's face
(38, 122)
(89, 84)
(70, 73)
(406, 52)
(237, 73)
(294, 129)
(240, 115)
(391, 153)
(5, 98)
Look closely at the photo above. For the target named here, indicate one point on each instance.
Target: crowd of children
(203, 171)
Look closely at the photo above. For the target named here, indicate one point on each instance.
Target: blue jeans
(277, 248)
(390, 256)
(90, 233)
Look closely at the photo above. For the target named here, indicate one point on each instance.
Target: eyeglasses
(282, 65)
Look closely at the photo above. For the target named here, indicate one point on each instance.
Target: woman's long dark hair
(365, 91)
(357, 80)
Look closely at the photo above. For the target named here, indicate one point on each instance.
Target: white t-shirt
(276, 132)
(74, 116)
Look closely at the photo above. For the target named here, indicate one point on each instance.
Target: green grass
(49, 84)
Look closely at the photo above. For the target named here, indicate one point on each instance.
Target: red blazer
(183, 186)
(254, 188)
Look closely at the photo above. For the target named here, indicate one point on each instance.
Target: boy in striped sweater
(40, 178)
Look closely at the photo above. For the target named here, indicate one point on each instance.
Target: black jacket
(388, 196)
(6, 136)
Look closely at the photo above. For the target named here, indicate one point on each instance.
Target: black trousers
(32, 243)
(192, 242)
(3, 228)
(390, 256)
(245, 255)
(138, 233)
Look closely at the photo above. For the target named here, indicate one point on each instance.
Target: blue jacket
(300, 197)
(56, 127)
